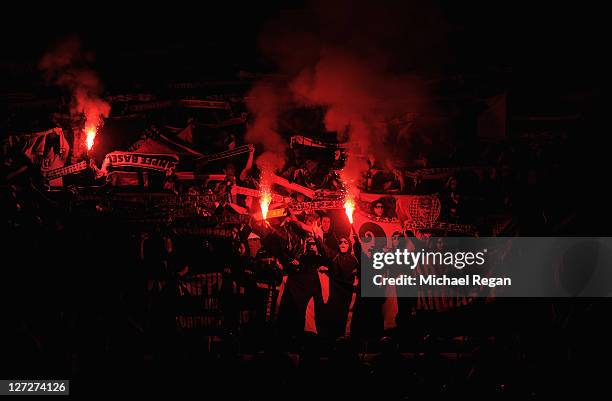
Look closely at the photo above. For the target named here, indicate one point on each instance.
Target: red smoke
(264, 101)
(359, 98)
(344, 56)
(68, 66)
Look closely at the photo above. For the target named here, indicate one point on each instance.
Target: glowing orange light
(90, 135)
(349, 208)
(264, 201)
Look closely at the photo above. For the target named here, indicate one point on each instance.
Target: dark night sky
(557, 43)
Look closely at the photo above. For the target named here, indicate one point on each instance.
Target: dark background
(551, 58)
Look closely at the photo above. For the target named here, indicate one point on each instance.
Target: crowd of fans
(147, 296)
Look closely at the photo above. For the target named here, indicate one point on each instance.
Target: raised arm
(249, 164)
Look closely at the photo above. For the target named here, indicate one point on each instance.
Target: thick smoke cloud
(265, 101)
(359, 98)
(67, 65)
(344, 56)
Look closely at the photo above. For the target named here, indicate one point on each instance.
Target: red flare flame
(90, 135)
(264, 201)
(349, 208)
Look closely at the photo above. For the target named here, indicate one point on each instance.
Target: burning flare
(264, 201)
(90, 135)
(349, 208)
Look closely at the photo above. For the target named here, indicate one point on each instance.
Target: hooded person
(344, 270)
(345, 265)
(293, 304)
(328, 237)
(312, 257)
(232, 287)
(307, 292)
(331, 284)
(367, 320)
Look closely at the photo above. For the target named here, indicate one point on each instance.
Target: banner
(441, 173)
(204, 231)
(292, 186)
(272, 214)
(159, 162)
(227, 153)
(226, 123)
(255, 193)
(206, 198)
(48, 149)
(316, 205)
(444, 227)
(204, 104)
(418, 208)
(137, 108)
(314, 143)
(380, 230)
